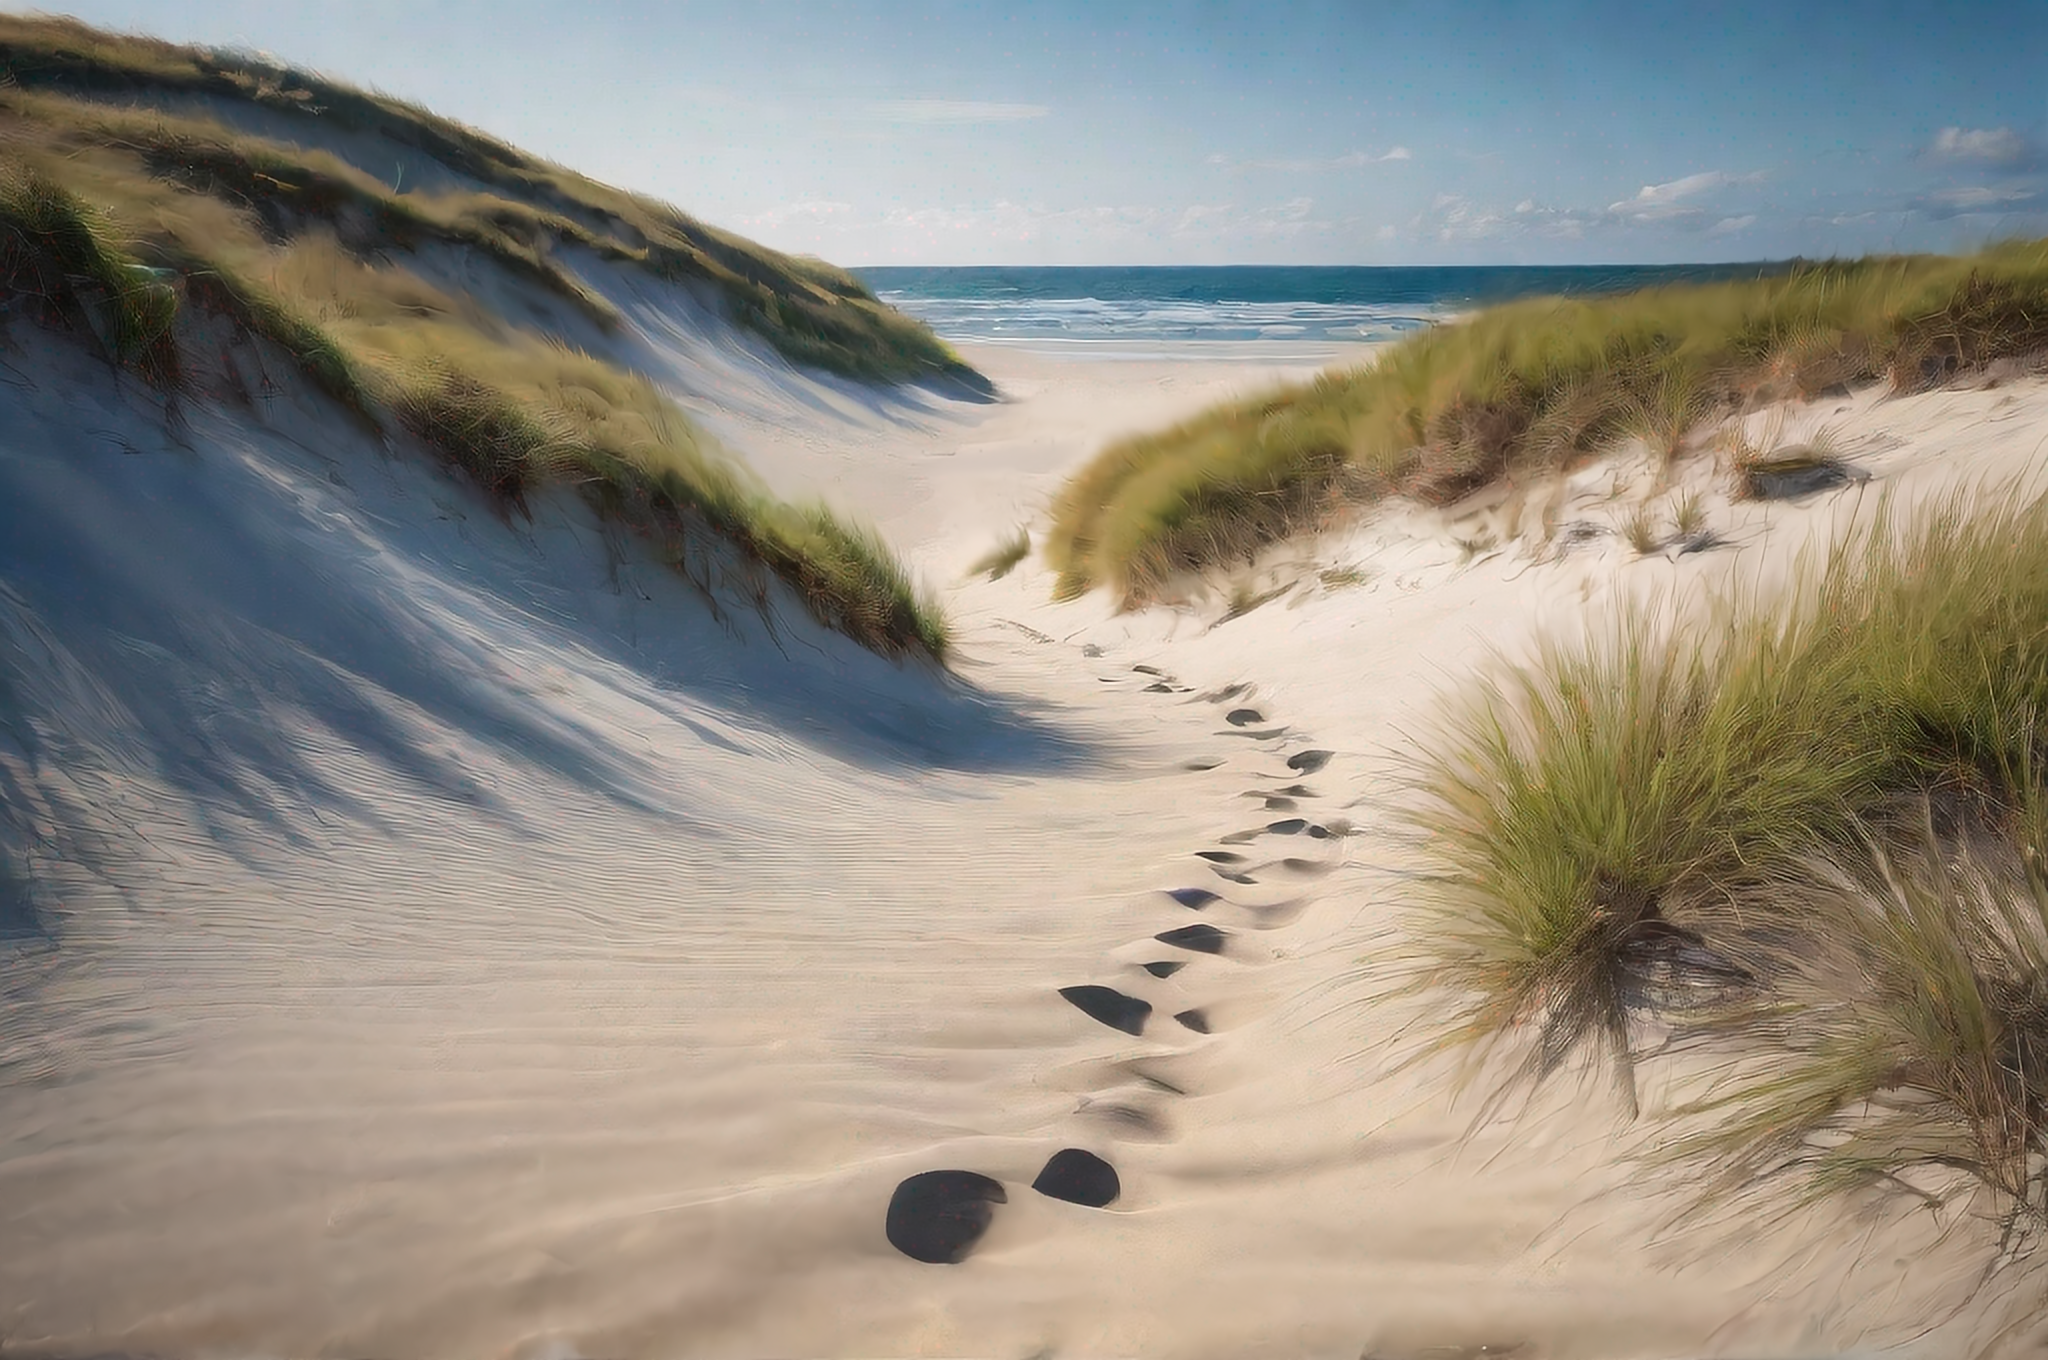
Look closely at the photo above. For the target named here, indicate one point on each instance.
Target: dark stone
(1238, 717)
(1795, 479)
(1308, 762)
(1166, 967)
(1194, 1020)
(1078, 1178)
(938, 1216)
(1194, 899)
(1110, 1006)
(1203, 939)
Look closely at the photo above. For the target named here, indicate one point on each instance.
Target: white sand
(459, 944)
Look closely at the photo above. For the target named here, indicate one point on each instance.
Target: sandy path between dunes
(508, 961)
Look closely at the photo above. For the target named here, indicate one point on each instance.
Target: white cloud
(1670, 203)
(803, 210)
(952, 111)
(1350, 160)
(1976, 200)
(1675, 205)
(2001, 148)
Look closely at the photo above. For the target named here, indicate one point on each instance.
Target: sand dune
(433, 935)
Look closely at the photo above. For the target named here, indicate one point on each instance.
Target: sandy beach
(471, 946)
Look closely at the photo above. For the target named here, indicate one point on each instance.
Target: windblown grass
(1593, 814)
(129, 225)
(58, 252)
(1905, 1049)
(1002, 559)
(519, 209)
(1521, 389)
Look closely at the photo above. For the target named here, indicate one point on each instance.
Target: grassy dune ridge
(1524, 388)
(1809, 830)
(810, 311)
(138, 226)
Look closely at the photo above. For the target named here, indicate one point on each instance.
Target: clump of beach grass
(1905, 1046)
(1689, 518)
(1520, 390)
(1639, 527)
(1592, 812)
(1003, 558)
(59, 252)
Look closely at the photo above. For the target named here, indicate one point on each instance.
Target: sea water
(1129, 310)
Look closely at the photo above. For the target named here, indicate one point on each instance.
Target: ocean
(1134, 310)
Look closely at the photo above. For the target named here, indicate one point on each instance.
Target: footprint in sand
(1194, 1019)
(1289, 826)
(1226, 694)
(1166, 968)
(1110, 1006)
(1079, 1177)
(1308, 762)
(1203, 939)
(1194, 899)
(938, 1216)
(1239, 717)
(1220, 856)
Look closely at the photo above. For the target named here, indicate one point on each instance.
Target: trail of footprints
(940, 1216)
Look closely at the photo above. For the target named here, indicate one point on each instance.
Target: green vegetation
(56, 250)
(1639, 528)
(1907, 1049)
(151, 230)
(518, 209)
(1002, 559)
(1650, 825)
(1523, 389)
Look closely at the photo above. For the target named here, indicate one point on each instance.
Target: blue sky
(1364, 133)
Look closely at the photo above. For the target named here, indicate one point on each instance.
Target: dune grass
(1612, 825)
(1003, 558)
(518, 208)
(1905, 1049)
(58, 253)
(1522, 389)
(91, 234)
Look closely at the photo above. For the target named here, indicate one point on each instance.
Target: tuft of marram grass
(1905, 1048)
(1003, 558)
(1591, 812)
(1639, 528)
(59, 251)
(1523, 388)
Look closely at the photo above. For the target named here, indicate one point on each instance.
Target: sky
(1400, 132)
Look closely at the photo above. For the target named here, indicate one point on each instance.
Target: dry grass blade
(1908, 1050)
(1002, 559)
(1639, 528)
